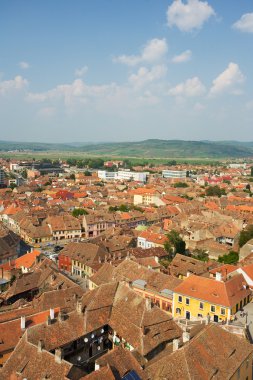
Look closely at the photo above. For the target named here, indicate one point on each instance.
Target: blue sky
(126, 70)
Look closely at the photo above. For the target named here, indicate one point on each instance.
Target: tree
(231, 258)
(181, 184)
(212, 191)
(79, 211)
(201, 255)
(246, 235)
(175, 241)
(24, 173)
(251, 171)
(72, 176)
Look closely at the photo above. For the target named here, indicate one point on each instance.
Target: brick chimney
(51, 311)
(176, 344)
(22, 322)
(40, 345)
(58, 355)
(79, 307)
(148, 303)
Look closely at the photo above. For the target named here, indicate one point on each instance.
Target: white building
(107, 176)
(122, 175)
(174, 173)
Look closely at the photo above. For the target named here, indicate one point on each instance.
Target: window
(200, 316)
(212, 308)
(201, 306)
(180, 299)
(222, 311)
(187, 301)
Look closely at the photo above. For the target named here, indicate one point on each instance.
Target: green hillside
(153, 148)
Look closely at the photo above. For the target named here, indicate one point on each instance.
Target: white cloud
(190, 15)
(147, 98)
(190, 88)
(228, 80)
(183, 57)
(245, 24)
(153, 51)
(24, 65)
(16, 84)
(81, 72)
(145, 76)
(72, 94)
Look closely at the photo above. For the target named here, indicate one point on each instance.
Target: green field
(162, 150)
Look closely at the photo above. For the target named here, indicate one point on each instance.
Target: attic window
(215, 294)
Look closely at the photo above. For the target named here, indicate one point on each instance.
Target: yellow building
(201, 297)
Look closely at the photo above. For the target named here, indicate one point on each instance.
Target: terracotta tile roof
(248, 269)
(10, 332)
(224, 270)
(131, 271)
(27, 363)
(120, 361)
(212, 354)
(27, 260)
(154, 237)
(227, 293)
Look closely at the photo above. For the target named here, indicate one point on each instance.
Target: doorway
(188, 315)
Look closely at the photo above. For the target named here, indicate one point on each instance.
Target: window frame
(212, 306)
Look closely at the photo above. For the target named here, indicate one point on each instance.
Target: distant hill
(153, 148)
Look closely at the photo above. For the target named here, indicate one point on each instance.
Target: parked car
(58, 248)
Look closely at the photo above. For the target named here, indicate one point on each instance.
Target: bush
(231, 258)
(246, 235)
(215, 191)
(181, 184)
(79, 211)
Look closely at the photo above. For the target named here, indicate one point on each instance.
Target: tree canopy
(215, 191)
(246, 235)
(231, 258)
(79, 211)
(174, 244)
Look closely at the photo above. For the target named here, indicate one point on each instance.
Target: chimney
(51, 311)
(186, 337)
(218, 276)
(53, 277)
(49, 321)
(58, 355)
(97, 366)
(61, 316)
(79, 307)
(22, 323)
(148, 303)
(40, 345)
(176, 344)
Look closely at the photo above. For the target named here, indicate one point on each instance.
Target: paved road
(246, 317)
